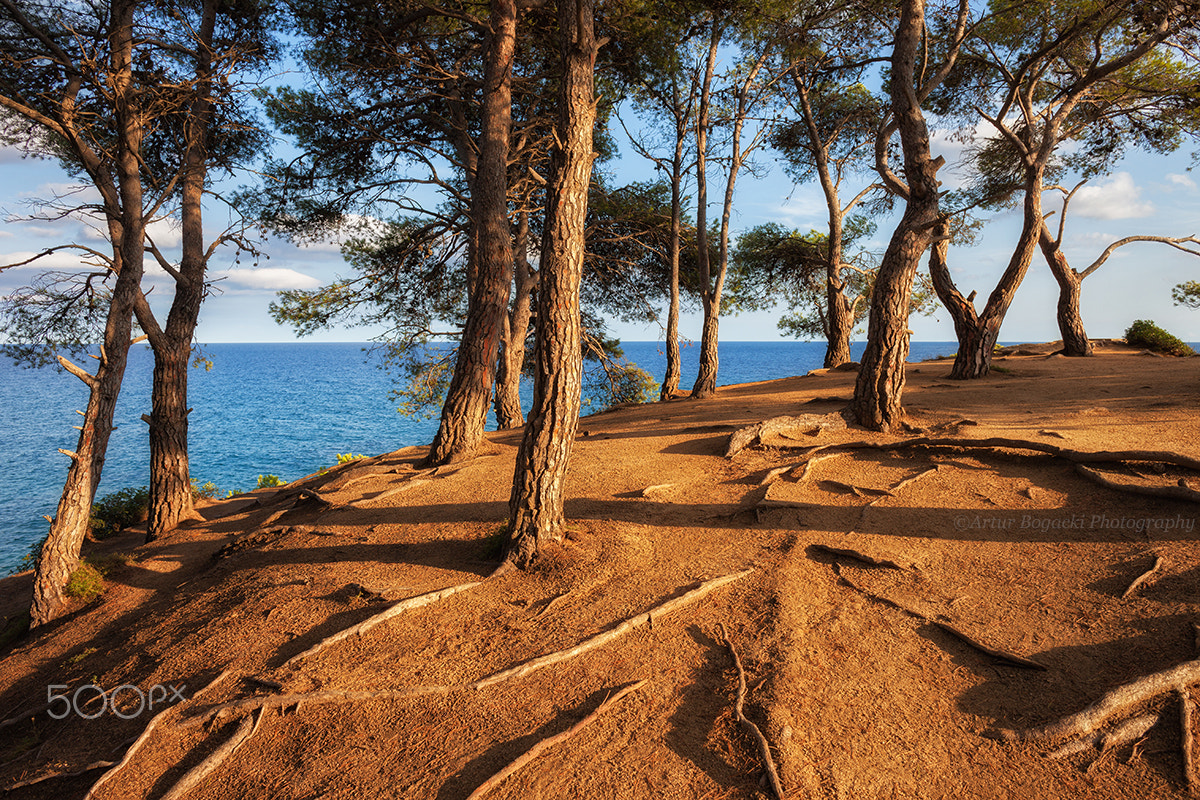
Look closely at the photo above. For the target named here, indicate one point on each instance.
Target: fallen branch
(326, 697)
(1140, 579)
(1171, 492)
(392, 611)
(150, 728)
(1185, 725)
(546, 744)
(1128, 731)
(1113, 702)
(764, 747)
(52, 775)
(607, 636)
(196, 774)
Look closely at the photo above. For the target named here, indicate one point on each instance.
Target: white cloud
(1179, 179)
(267, 278)
(1119, 198)
(165, 233)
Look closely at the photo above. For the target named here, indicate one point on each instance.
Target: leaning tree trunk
(1070, 287)
(536, 505)
(464, 413)
(670, 384)
(60, 555)
(880, 386)
(706, 378)
(516, 326)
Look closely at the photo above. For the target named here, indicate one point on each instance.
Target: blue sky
(1144, 195)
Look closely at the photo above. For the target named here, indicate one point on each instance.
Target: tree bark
(1070, 287)
(464, 413)
(516, 326)
(670, 383)
(706, 378)
(536, 504)
(880, 385)
(60, 555)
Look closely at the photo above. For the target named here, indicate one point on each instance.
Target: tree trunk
(841, 325)
(60, 555)
(536, 505)
(512, 357)
(464, 414)
(670, 383)
(880, 385)
(170, 482)
(1070, 286)
(706, 378)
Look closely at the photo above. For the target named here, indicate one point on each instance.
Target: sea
(273, 409)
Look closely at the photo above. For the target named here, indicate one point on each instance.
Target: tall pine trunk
(464, 413)
(670, 384)
(536, 504)
(706, 378)
(516, 326)
(1070, 288)
(60, 555)
(879, 389)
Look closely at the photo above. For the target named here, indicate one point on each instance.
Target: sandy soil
(860, 690)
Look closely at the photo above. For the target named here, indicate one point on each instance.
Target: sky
(1144, 195)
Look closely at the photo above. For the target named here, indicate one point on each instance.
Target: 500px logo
(125, 701)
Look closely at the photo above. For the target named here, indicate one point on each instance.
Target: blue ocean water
(282, 409)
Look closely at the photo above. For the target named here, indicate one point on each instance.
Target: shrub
(1144, 333)
(346, 458)
(207, 491)
(270, 481)
(115, 512)
(86, 583)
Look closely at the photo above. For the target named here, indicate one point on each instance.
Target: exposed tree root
(366, 625)
(1113, 702)
(857, 556)
(651, 491)
(52, 775)
(807, 464)
(1182, 492)
(812, 424)
(325, 697)
(545, 744)
(150, 728)
(1185, 740)
(607, 636)
(908, 481)
(1012, 659)
(764, 747)
(1140, 579)
(1128, 731)
(404, 487)
(196, 774)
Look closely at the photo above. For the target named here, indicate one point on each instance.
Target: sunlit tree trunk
(516, 326)
(536, 504)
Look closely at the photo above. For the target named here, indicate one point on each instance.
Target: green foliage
(206, 491)
(617, 382)
(115, 512)
(270, 481)
(1187, 294)
(86, 583)
(346, 458)
(1144, 333)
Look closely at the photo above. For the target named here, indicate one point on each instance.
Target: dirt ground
(854, 676)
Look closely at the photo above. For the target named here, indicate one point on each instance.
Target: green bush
(115, 512)
(207, 491)
(86, 583)
(346, 458)
(270, 481)
(1144, 333)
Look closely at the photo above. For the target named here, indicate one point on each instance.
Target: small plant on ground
(346, 458)
(86, 583)
(115, 512)
(206, 491)
(270, 481)
(1144, 333)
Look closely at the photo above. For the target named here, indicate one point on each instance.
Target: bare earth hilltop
(908, 610)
